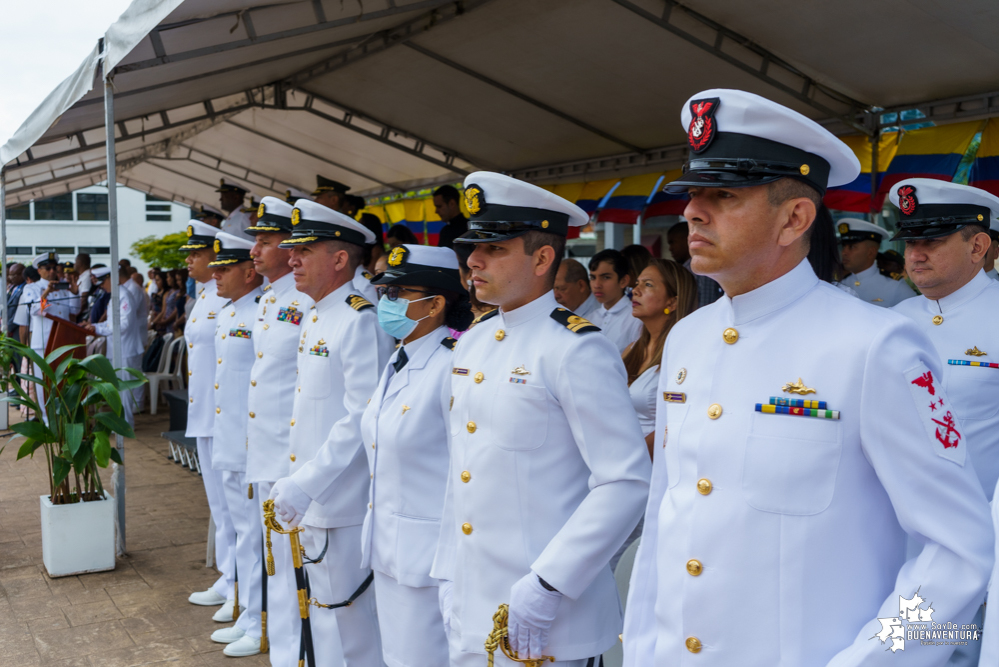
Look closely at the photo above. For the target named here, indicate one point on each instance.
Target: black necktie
(400, 360)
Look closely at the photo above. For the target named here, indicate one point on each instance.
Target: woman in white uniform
(420, 296)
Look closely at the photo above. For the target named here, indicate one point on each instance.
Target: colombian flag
(985, 168)
(570, 192)
(412, 214)
(629, 198)
(856, 196)
(593, 192)
(663, 203)
(932, 152)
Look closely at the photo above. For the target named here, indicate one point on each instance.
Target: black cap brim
(925, 232)
(444, 280)
(718, 179)
(484, 236)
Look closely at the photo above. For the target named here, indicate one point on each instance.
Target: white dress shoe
(228, 635)
(242, 647)
(207, 598)
(226, 613)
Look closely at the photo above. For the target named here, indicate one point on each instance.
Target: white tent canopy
(387, 95)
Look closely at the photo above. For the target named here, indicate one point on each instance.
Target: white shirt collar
(413, 348)
(287, 281)
(869, 272)
(339, 294)
(543, 305)
(773, 296)
(622, 303)
(964, 294)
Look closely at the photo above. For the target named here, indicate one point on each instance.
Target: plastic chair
(165, 374)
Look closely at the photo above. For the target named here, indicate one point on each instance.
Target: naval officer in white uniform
(199, 335)
(237, 281)
(859, 242)
(797, 446)
(231, 196)
(421, 297)
(340, 357)
(280, 319)
(543, 487)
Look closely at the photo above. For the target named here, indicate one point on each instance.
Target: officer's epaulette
(358, 303)
(367, 276)
(449, 343)
(897, 276)
(482, 318)
(573, 322)
(268, 286)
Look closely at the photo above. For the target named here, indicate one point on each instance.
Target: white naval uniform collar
(413, 348)
(773, 296)
(285, 282)
(252, 294)
(331, 299)
(993, 274)
(543, 305)
(868, 274)
(207, 285)
(964, 294)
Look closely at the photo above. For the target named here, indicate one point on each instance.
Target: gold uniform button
(694, 567)
(479, 377)
(466, 477)
(252, 415)
(267, 326)
(714, 411)
(704, 486)
(693, 644)
(216, 385)
(730, 335)
(292, 457)
(471, 427)
(220, 360)
(938, 319)
(191, 345)
(315, 318)
(372, 445)
(223, 336)
(369, 505)
(218, 410)
(260, 355)
(500, 335)
(253, 383)
(190, 373)
(193, 320)
(192, 400)
(466, 528)
(293, 423)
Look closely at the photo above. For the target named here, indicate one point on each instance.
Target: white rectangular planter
(78, 538)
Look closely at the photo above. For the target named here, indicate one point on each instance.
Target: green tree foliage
(161, 251)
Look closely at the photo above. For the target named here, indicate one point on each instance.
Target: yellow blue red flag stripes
(931, 152)
(985, 168)
(856, 196)
(629, 198)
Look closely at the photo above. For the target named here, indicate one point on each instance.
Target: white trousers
(225, 535)
(131, 399)
(334, 580)
(325, 631)
(243, 512)
(284, 624)
(39, 390)
(412, 627)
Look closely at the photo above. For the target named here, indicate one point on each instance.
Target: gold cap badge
(190, 231)
(218, 245)
(296, 216)
(843, 228)
(261, 210)
(395, 258)
(474, 200)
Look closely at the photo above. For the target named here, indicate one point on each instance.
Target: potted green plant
(83, 411)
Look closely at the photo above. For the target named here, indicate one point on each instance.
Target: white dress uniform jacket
(236, 223)
(760, 524)
(141, 302)
(282, 315)
(234, 352)
(60, 303)
(880, 290)
(199, 332)
(363, 286)
(22, 314)
(339, 362)
(968, 332)
(618, 324)
(133, 341)
(548, 474)
(409, 464)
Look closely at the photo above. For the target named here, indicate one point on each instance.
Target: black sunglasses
(392, 291)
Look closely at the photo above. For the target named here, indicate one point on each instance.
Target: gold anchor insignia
(520, 370)
(797, 388)
(405, 408)
(975, 352)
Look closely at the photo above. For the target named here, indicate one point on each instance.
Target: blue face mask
(392, 317)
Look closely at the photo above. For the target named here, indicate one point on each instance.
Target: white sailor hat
(204, 210)
(424, 266)
(312, 222)
(852, 230)
(231, 185)
(100, 272)
(230, 249)
(738, 139)
(273, 215)
(199, 235)
(291, 195)
(503, 207)
(932, 208)
(45, 258)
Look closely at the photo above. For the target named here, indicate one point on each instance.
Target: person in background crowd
(209, 215)
(400, 234)
(151, 287)
(421, 298)
(479, 309)
(448, 208)
(329, 193)
(15, 285)
(351, 205)
(140, 300)
(83, 277)
(381, 265)
(823, 251)
(157, 289)
(992, 255)
(891, 264)
(125, 262)
(250, 209)
(608, 279)
(99, 300)
(859, 242)
(638, 257)
(231, 196)
(708, 291)
(169, 296)
(572, 290)
(373, 251)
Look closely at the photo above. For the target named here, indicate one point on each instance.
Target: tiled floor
(137, 614)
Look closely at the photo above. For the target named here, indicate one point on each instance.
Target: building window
(18, 250)
(62, 250)
(91, 206)
(157, 210)
(59, 207)
(22, 212)
(96, 250)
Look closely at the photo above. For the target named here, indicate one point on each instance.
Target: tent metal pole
(118, 471)
(3, 252)
(875, 144)
(636, 234)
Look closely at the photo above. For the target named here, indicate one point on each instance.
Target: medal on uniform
(290, 314)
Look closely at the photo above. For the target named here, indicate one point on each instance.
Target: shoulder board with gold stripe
(573, 322)
(482, 318)
(358, 303)
(449, 343)
(897, 276)
(267, 287)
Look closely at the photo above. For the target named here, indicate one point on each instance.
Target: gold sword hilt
(271, 523)
(499, 638)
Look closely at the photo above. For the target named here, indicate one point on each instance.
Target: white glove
(290, 502)
(532, 610)
(444, 598)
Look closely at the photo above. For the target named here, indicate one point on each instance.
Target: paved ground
(137, 614)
